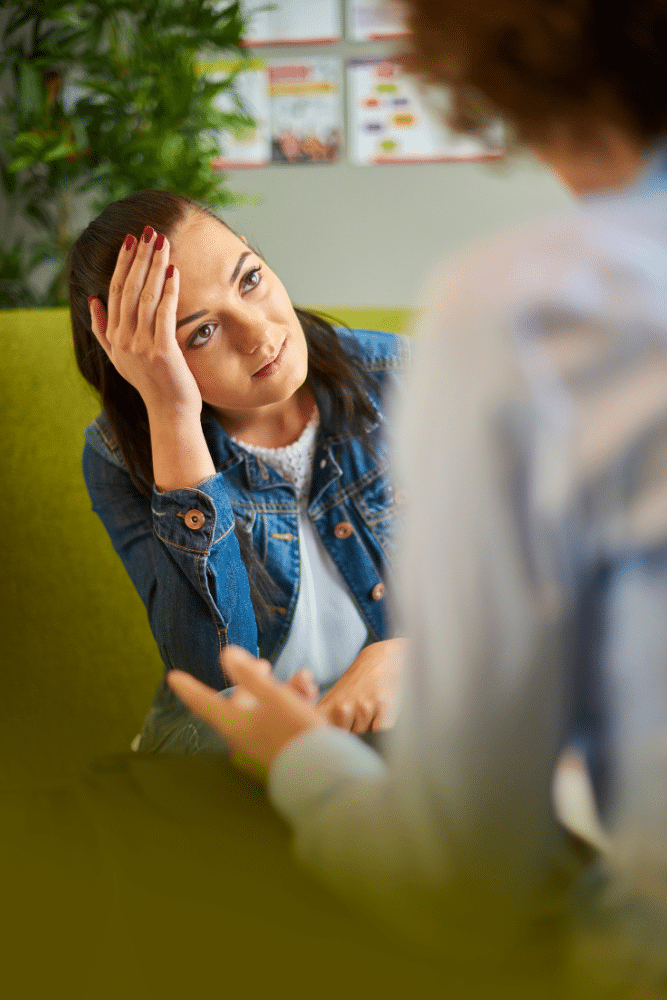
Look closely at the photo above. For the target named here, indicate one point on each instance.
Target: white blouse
(327, 630)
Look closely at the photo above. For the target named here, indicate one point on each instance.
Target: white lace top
(293, 461)
(327, 631)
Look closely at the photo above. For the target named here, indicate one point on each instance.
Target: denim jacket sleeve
(180, 551)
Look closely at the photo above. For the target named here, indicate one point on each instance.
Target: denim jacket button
(194, 519)
(377, 593)
(343, 529)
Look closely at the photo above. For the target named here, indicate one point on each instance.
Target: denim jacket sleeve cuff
(193, 519)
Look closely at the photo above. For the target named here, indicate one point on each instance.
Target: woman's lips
(271, 366)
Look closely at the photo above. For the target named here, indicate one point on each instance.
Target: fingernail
(129, 242)
(159, 243)
(147, 234)
(90, 299)
(170, 271)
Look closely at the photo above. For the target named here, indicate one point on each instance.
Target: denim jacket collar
(252, 473)
(230, 458)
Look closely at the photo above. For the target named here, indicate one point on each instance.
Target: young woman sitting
(239, 462)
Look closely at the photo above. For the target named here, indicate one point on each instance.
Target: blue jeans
(170, 727)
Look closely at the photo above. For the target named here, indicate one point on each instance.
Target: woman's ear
(98, 323)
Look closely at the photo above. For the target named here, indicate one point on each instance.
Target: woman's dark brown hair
(332, 370)
(543, 61)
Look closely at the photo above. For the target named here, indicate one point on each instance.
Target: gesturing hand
(138, 330)
(365, 698)
(258, 719)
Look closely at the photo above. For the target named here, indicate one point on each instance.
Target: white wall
(345, 235)
(348, 235)
(366, 236)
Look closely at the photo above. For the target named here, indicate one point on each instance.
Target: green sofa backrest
(79, 662)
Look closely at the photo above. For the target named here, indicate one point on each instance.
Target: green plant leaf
(68, 16)
(58, 152)
(144, 118)
(31, 94)
(20, 163)
(30, 140)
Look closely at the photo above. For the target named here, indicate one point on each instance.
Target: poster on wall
(390, 121)
(370, 20)
(249, 145)
(296, 105)
(292, 22)
(306, 110)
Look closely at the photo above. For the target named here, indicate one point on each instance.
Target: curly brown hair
(545, 61)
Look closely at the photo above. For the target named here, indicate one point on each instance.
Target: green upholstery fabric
(79, 664)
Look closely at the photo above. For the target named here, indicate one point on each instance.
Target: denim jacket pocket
(382, 508)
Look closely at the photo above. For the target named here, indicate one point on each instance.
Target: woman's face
(236, 326)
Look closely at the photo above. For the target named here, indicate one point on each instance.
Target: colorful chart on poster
(374, 19)
(292, 22)
(391, 122)
(306, 110)
(247, 146)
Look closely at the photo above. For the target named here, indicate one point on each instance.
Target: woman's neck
(272, 426)
(610, 159)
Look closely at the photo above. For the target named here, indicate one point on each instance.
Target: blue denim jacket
(181, 551)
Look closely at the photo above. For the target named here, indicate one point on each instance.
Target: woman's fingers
(137, 303)
(363, 716)
(202, 700)
(140, 295)
(118, 278)
(244, 668)
(304, 684)
(165, 315)
(151, 295)
(341, 715)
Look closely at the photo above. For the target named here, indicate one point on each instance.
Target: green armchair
(79, 662)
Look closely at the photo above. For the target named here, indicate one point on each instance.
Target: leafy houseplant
(104, 97)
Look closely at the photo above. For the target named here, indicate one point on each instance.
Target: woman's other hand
(258, 719)
(366, 697)
(138, 329)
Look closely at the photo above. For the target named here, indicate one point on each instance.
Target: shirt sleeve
(466, 786)
(180, 551)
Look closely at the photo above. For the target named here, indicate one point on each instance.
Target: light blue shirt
(535, 589)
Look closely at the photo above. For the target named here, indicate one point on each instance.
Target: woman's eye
(203, 334)
(252, 278)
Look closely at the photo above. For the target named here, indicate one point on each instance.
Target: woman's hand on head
(366, 698)
(138, 328)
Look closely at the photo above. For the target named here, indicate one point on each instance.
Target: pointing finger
(243, 668)
(202, 700)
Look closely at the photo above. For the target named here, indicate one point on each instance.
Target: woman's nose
(250, 332)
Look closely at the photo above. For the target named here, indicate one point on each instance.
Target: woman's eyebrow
(235, 274)
(189, 319)
(239, 265)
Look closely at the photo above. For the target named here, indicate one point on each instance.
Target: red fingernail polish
(170, 271)
(129, 242)
(159, 243)
(90, 299)
(147, 234)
